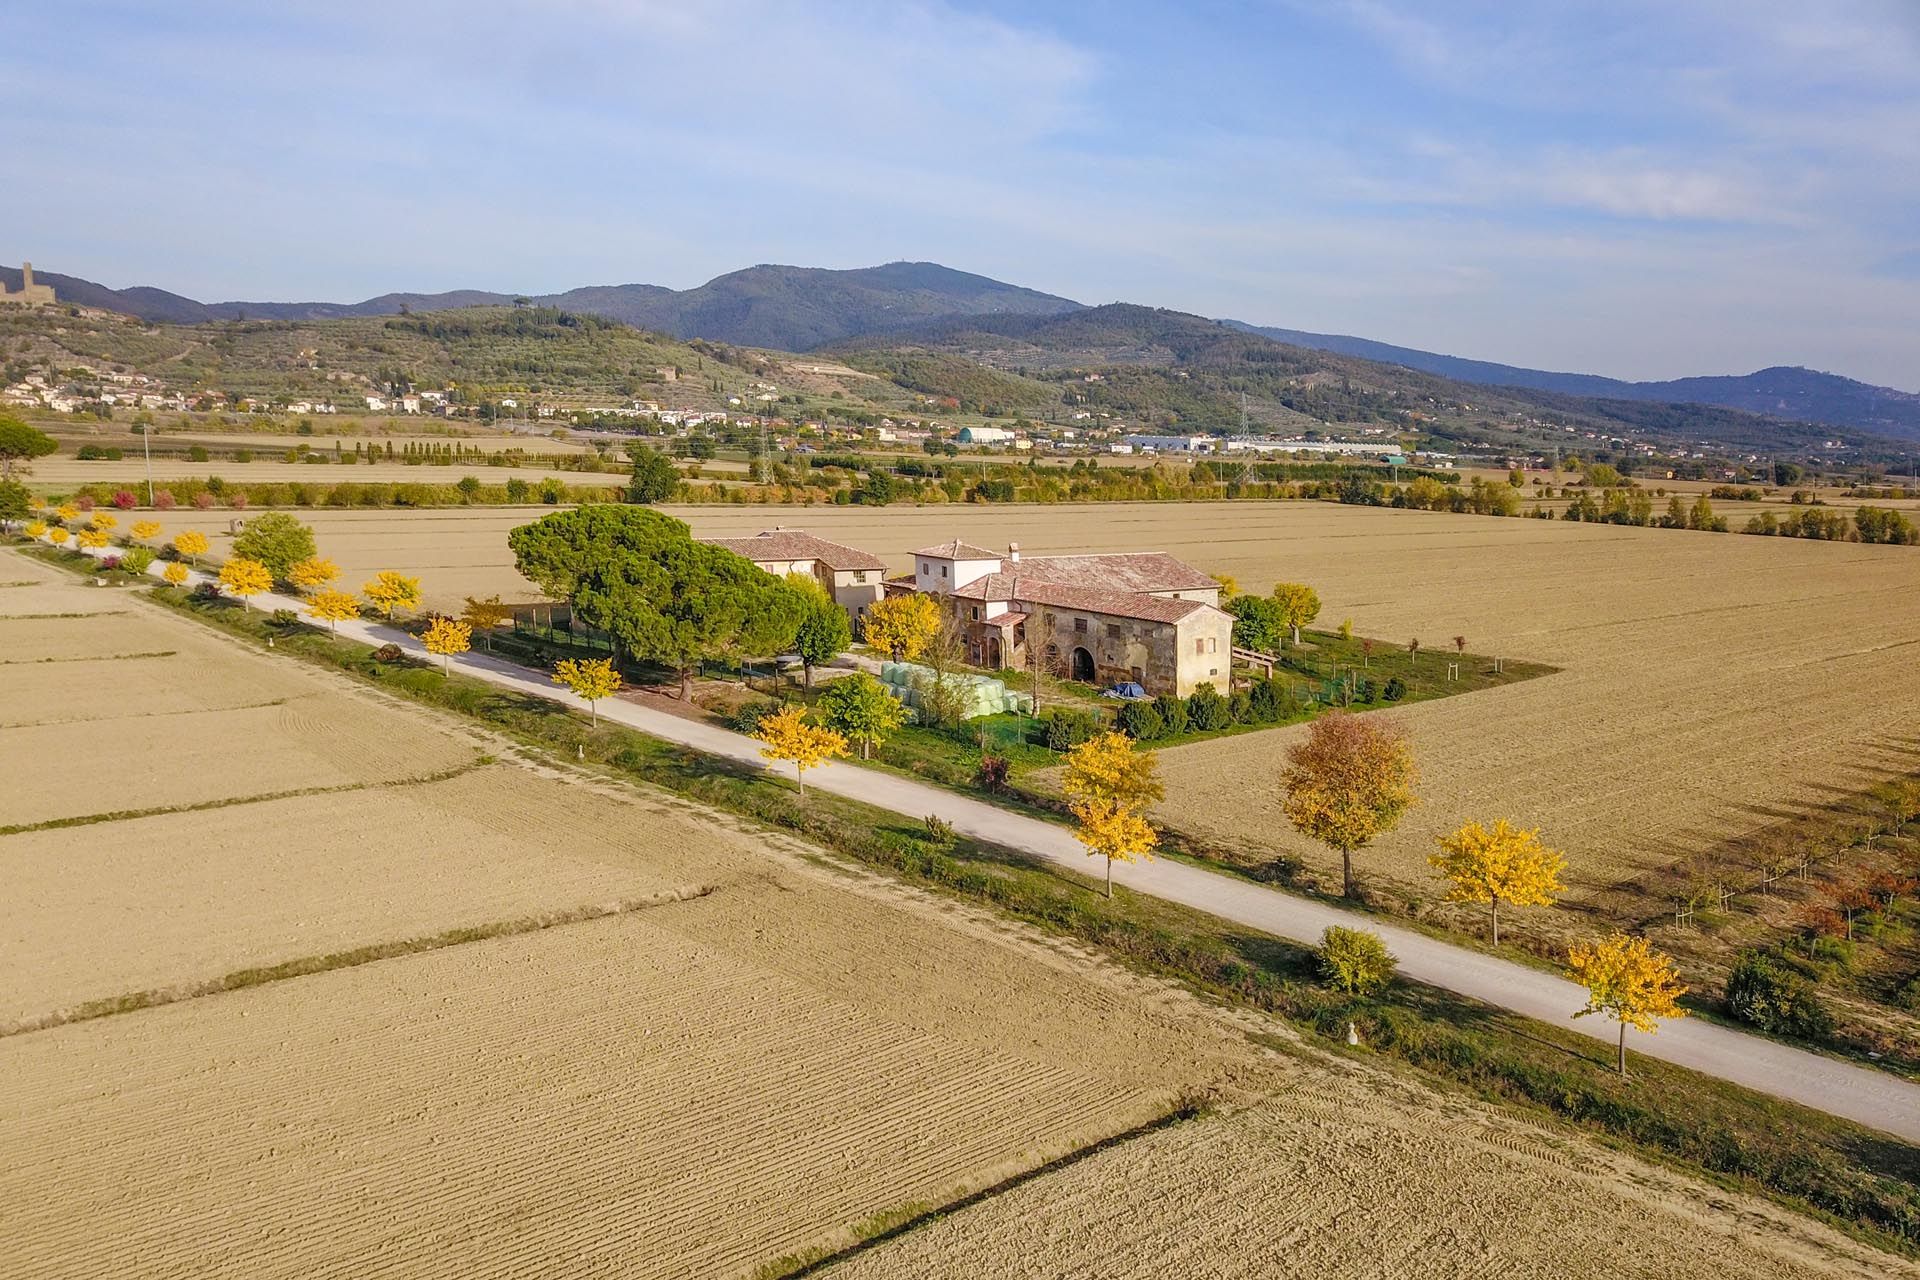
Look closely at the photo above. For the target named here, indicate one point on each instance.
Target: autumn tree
(666, 598)
(93, 538)
(390, 590)
(1109, 785)
(590, 679)
(862, 709)
(276, 540)
(486, 616)
(36, 528)
(902, 626)
(1299, 605)
(823, 633)
(444, 637)
(313, 573)
(103, 520)
(788, 736)
(1347, 783)
(190, 543)
(175, 573)
(1628, 981)
(1496, 864)
(244, 579)
(57, 535)
(328, 606)
(145, 529)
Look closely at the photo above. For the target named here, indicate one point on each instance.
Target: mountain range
(805, 308)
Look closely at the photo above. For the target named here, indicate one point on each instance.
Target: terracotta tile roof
(793, 544)
(1021, 589)
(1119, 571)
(958, 550)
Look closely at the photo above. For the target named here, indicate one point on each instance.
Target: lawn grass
(1849, 1175)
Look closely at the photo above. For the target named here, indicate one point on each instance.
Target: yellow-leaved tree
(36, 528)
(331, 607)
(104, 520)
(190, 543)
(245, 578)
(1348, 782)
(1109, 786)
(93, 538)
(1628, 981)
(175, 573)
(1497, 864)
(145, 529)
(1299, 605)
(313, 573)
(390, 591)
(486, 616)
(67, 511)
(903, 626)
(57, 535)
(591, 679)
(788, 736)
(445, 637)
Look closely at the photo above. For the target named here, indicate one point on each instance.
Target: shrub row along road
(1868, 1097)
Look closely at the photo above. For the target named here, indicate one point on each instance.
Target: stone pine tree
(1349, 781)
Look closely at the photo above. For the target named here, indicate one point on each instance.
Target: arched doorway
(992, 653)
(1083, 666)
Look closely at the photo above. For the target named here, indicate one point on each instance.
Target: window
(859, 575)
(1213, 644)
(1113, 631)
(1079, 626)
(1199, 647)
(943, 571)
(976, 613)
(925, 568)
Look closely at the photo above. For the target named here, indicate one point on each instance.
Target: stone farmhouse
(28, 294)
(1140, 616)
(852, 577)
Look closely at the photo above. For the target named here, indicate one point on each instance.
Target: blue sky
(1645, 188)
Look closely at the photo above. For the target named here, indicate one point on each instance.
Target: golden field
(756, 1050)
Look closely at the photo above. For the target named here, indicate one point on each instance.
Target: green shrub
(1396, 689)
(1142, 721)
(1173, 714)
(1207, 710)
(1355, 961)
(1270, 701)
(940, 833)
(135, 560)
(1240, 707)
(1766, 995)
(747, 716)
(1067, 728)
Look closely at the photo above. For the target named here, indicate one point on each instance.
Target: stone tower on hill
(29, 293)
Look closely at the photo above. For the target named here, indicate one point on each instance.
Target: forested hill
(784, 308)
(1783, 391)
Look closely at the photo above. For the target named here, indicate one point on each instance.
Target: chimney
(1013, 552)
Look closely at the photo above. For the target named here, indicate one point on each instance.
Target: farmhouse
(851, 576)
(1140, 616)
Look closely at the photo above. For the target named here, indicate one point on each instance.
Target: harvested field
(1711, 683)
(1335, 1179)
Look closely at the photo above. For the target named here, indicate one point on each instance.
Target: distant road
(1868, 1097)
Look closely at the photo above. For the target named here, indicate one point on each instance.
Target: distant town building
(29, 293)
(1173, 444)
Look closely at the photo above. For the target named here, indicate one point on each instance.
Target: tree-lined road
(1876, 1099)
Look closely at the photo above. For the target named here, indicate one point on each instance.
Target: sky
(1640, 188)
